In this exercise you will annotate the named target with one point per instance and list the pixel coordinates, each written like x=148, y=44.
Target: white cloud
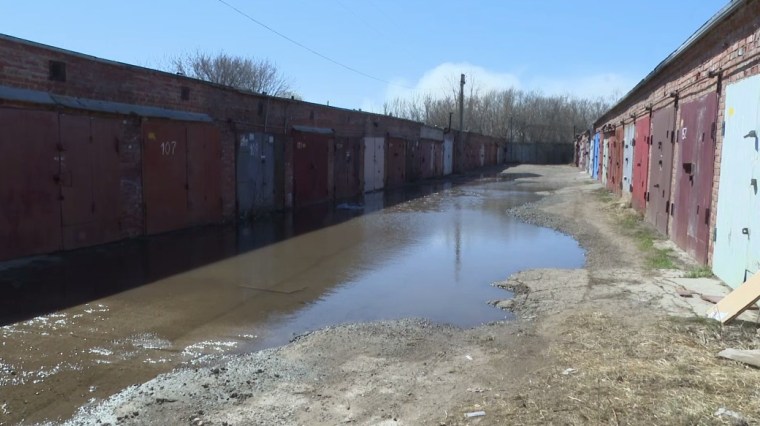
x=444, y=79
x=603, y=85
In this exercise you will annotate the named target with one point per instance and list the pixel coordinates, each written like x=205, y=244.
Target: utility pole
x=461, y=104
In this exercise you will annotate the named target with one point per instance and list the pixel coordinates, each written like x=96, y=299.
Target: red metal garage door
x=346, y=167
x=438, y=158
x=616, y=160
x=641, y=165
x=413, y=171
x=30, y=208
x=395, y=162
x=164, y=175
x=90, y=180
x=310, y=167
x=694, y=175
x=204, y=174
x=426, y=158
x=660, y=168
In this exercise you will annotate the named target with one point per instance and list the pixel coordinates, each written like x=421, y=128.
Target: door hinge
x=723, y=128
x=715, y=234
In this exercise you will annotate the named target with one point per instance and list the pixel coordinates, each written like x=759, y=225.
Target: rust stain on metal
x=204, y=174
x=347, y=168
x=395, y=162
x=694, y=175
x=310, y=167
x=30, y=205
x=641, y=165
x=91, y=194
x=661, y=168
x=165, y=182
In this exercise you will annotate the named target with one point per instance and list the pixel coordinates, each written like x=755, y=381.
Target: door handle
x=745, y=231
x=751, y=134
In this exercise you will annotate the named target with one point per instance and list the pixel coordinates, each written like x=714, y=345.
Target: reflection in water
x=131, y=310
x=437, y=265
x=433, y=256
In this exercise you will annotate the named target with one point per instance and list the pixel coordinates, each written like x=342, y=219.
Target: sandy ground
x=611, y=343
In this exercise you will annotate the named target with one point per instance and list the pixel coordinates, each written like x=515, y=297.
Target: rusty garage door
x=164, y=175
x=694, y=175
x=346, y=167
x=204, y=174
x=30, y=207
x=310, y=160
x=438, y=158
x=395, y=162
x=90, y=180
x=255, y=173
x=641, y=142
x=605, y=156
x=413, y=171
x=426, y=158
x=181, y=174
x=616, y=158
x=374, y=163
x=660, y=168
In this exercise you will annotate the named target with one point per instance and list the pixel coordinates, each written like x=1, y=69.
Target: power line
x=307, y=48
x=360, y=18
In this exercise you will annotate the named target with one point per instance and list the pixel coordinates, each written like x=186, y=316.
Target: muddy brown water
x=81, y=326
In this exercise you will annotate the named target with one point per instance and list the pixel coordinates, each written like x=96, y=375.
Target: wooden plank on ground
x=751, y=357
x=737, y=301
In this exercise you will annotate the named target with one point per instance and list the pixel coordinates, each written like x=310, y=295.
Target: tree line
x=512, y=114
x=244, y=73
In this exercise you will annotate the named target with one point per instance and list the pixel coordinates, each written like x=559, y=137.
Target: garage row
x=664, y=161
x=79, y=174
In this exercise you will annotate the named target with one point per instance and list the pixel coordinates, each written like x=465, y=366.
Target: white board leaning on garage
x=737, y=301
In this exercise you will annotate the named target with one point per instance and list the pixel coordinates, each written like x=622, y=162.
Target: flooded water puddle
x=432, y=253
x=432, y=258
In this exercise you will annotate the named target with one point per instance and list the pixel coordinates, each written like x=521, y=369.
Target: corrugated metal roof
x=309, y=129
x=44, y=98
x=716, y=19
x=127, y=109
x=25, y=95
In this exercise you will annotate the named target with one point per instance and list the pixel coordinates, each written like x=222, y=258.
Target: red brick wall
x=733, y=47
x=25, y=65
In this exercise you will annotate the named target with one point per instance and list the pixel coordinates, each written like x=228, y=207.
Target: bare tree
x=255, y=75
x=511, y=114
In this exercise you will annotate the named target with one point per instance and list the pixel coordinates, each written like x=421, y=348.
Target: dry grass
x=699, y=272
x=629, y=371
x=632, y=224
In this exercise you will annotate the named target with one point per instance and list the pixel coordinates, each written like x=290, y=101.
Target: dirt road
x=607, y=344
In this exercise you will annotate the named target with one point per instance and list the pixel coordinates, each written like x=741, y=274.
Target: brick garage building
x=96, y=151
x=679, y=112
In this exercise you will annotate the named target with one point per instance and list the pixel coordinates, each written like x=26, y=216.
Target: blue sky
x=586, y=48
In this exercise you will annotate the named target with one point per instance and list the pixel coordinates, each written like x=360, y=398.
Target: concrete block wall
x=728, y=53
